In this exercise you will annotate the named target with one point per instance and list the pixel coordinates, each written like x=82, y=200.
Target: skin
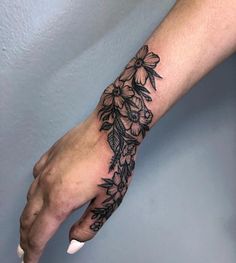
x=193, y=38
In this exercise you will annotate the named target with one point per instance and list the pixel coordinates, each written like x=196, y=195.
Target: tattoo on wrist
x=126, y=118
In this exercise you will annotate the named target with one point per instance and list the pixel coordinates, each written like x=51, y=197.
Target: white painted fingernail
x=74, y=246
x=20, y=251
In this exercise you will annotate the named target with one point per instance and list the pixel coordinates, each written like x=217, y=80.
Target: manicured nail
x=74, y=246
x=20, y=251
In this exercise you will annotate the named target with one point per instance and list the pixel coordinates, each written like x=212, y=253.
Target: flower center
x=134, y=116
x=147, y=114
x=139, y=63
x=116, y=91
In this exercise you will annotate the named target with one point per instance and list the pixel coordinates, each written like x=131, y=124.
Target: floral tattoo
x=126, y=119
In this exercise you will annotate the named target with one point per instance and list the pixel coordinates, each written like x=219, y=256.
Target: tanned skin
x=95, y=160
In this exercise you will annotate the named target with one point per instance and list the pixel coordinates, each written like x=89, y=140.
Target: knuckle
x=60, y=214
x=39, y=164
x=36, y=168
x=33, y=244
x=47, y=176
x=29, y=195
x=32, y=189
x=24, y=222
x=23, y=245
x=59, y=206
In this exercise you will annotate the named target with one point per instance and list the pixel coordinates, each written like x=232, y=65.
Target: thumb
x=88, y=225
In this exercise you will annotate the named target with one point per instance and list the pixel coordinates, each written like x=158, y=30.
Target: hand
x=66, y=177
x=92, y=162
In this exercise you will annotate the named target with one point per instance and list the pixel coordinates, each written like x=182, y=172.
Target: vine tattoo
x=126, y=118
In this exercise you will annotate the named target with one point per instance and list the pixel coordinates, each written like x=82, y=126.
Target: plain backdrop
x=56, y=57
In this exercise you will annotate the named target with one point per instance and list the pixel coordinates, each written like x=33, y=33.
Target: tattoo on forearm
x=126, y=118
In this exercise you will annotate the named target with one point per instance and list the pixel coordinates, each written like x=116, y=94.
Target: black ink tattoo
x=126, y=118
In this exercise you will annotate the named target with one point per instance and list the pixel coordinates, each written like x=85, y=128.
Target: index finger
x=43, y=228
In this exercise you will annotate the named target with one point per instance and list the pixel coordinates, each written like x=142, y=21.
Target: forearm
x=182, y=49
x=193, y=38
x=94, y=161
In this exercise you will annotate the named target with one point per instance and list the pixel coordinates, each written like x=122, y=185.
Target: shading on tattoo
x=126, y=118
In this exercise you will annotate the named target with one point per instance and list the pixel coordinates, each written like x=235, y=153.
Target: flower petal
x=127, y=92
x=119, y=101
x=127, y=74
x=142, y=52
x=131, y=63
x=108, y=99
x=127, y=123
x=116, y=178
x=122, y=160
x=141, y=76
x=151, y=60
x=123, y=191
x=112, y=190
x=137, y=102
x=124, y=112
x=109, y=89
x=118, y=83
x=128, y=158
x=125, y=150
x=135, y=128
x=145, y=117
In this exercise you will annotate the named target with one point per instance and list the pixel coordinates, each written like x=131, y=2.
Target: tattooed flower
x=116, y=94
x=136, y=117
x=119, y=186
x=140, y=65
x=103, y=212
x=96, y=226
x=124, y=114
x=128, y=154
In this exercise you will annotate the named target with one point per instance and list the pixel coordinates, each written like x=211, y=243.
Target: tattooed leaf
x=146, y=97
x=94, y=216
x=113, y=140
x=151, y=75
x=142, y=91
x=131, y=103
x=132, y=165
x=106, y=126
x=154, y=73
x=119, y=125
x=125, y=171
x=108, y=183
x=106, y=117
x=141, y=88
x=152, y=79
x=108, y=199
x=114, y=161
x=134, y=142
x=128, y=136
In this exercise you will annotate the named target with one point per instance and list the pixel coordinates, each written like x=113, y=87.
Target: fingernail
x=20, y=251
x=74, y=246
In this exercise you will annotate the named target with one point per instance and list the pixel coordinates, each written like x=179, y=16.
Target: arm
x=95, y=160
